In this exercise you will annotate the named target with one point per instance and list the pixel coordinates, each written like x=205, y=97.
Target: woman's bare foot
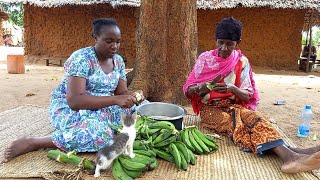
x=26, y=144
x=306, y=163
x=308, y=151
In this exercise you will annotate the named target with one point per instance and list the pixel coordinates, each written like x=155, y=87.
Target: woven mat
x=227, y=163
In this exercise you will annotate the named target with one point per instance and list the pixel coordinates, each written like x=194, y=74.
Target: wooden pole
x=310, y=41
x=307, y=35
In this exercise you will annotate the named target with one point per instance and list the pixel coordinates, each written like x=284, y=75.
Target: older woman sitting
x=221, y=88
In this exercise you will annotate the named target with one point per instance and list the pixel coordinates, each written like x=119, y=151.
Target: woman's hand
x=202, y=89
x=224, y=88
x=125, y=101
x=220, y=88
x=139, y=96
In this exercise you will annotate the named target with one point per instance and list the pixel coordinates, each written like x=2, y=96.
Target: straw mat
x=228, y=163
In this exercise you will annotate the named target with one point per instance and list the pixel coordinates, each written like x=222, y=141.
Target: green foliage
x=15, y=12
x=315, y=37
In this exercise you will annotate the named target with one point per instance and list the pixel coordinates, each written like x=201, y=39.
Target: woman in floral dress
x=91, y=96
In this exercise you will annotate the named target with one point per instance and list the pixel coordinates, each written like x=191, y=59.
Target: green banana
x=117, y=171
x=116, y=128
x=71, y=158
x=209, y=143
x=164, y=135
x=139, y=145
x=166, y=141
x=142, y=130
x=179, y=138
x=161, y=125
x=139, y=122
x=164, y=155
x=153, y=165
x=199, y=141
x=140, y=159
x=150, y=131
x=194, y=143
x=213, y=141
x=132, y=165
x=132, y=174
x=149, y=140
x=176, y=154
x=186, y=140
x=184, y=150
x=148, y=153
x=156, y=134
x=192, y=157
x=143, y=136
x=146, y=120
x=184, y=164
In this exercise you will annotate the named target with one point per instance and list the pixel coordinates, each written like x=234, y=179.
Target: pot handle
x=184, y=110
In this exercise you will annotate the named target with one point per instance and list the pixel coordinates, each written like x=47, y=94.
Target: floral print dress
x=86, y=130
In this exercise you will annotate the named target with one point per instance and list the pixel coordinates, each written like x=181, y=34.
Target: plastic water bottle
x=304, y=126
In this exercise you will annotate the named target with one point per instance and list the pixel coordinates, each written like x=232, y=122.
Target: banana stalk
x=70, y=158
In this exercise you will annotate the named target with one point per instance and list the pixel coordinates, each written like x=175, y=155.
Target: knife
x=211, y=84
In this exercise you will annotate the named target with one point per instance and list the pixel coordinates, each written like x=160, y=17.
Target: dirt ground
x=296, y=88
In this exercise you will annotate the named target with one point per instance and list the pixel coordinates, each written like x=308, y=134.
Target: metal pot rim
x=170, y=104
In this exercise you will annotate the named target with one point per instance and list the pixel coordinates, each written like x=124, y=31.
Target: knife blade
x=211, y=84
x=216, y=79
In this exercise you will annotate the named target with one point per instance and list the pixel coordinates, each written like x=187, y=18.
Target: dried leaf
x=30, y=94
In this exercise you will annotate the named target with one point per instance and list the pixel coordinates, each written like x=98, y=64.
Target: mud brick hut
x=3, y=16
x=271, y=33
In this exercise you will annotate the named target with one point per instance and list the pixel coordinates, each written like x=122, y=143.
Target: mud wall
x=57, y=32
x=271, y=37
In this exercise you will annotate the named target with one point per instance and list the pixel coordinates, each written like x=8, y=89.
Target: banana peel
x=315, y=137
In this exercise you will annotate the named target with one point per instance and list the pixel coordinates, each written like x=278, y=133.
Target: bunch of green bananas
x=147, y=128
x=196, y=141
x=161, y=139
x=126, y=168
x=178, y=153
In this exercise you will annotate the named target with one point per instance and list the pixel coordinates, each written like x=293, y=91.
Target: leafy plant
x=315, y=37
x=15, y=12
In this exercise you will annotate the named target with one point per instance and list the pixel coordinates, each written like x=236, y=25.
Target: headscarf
x=229, y=28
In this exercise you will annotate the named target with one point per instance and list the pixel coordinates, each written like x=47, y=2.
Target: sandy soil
x=296, y=88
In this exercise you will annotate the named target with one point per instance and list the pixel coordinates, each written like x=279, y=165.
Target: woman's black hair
x=97, y=24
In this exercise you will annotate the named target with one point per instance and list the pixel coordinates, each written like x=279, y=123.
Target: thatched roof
x=311, y=19
x=285, y=4
x=202, y=4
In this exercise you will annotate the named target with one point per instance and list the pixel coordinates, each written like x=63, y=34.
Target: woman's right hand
x=203, y=89
x=125, y=101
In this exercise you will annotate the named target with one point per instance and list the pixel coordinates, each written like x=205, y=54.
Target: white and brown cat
x=121, y=143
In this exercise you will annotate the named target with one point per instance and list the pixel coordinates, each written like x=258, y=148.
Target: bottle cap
x=308, y=107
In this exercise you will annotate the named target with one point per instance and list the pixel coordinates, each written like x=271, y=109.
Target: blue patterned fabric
x=86, y=130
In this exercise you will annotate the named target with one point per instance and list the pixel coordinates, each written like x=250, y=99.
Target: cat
x=121, y=143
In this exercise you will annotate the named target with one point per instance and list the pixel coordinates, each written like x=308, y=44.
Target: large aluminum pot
x=163, y=112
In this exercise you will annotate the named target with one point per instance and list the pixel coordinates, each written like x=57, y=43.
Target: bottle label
x=303, y=130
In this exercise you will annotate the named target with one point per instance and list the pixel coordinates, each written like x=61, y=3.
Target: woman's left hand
x=224, y=88
x=139, y=96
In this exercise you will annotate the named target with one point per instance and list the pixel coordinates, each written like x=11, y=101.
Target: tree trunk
x=166, y=49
